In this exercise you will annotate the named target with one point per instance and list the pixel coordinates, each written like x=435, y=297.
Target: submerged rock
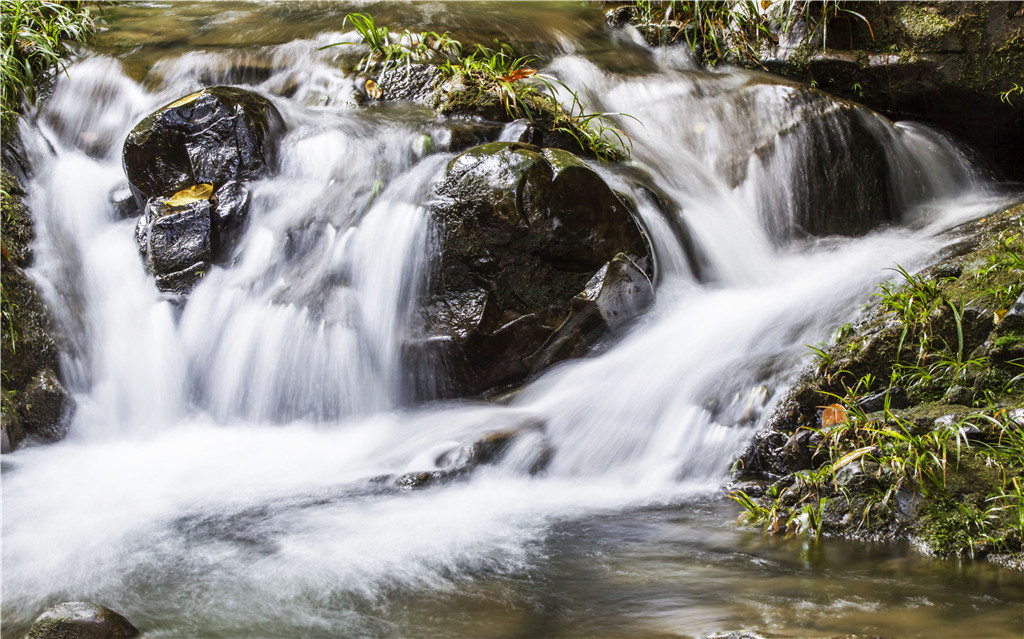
x=533, y=454
x=523, y=232
x=81, y=620
x=46, y=407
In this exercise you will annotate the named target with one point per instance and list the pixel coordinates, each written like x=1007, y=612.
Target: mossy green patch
x=920, y=23
x=950, y=442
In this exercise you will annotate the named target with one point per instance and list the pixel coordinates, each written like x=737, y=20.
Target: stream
x=221, y=477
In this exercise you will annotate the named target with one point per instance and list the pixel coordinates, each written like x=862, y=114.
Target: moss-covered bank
x=911, y=423
x=34, y=403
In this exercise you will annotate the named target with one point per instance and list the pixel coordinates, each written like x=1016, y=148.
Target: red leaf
x=518, y=74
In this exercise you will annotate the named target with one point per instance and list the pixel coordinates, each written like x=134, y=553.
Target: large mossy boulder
x=81, y=620
x=538, y=258
x=187, y=164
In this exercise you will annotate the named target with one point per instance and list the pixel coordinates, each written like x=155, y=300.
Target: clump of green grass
x=34, y=35
x=498, y=70
x=972, y=488
x=913, y=300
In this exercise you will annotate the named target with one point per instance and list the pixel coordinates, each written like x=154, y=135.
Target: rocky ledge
x=35, y=404
x=911, y=422
x=953, y=65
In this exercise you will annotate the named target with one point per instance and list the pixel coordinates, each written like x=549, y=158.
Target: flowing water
x=219, y=477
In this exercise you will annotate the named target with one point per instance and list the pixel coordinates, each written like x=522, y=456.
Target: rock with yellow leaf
x=187, y=165
x=175, y=237
x=214, y=136
x=182, y=235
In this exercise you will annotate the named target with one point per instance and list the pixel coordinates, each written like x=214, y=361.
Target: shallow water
x=222, y=474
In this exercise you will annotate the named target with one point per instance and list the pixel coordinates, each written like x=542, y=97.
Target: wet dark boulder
x=187, y=164
x=81, y=620
x=538, y=259
x=214, y=136
x=845, y=181
x=175, y=237
x=46, y=408
x=823, y=166
x=181, y=236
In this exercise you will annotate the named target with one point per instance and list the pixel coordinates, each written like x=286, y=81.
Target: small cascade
x=233, y=460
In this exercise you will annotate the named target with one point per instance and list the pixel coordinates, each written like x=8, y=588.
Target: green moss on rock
x=926, y=450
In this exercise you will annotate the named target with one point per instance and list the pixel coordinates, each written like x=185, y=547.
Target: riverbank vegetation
x=481, y=73
x=735, y=32
x=35, y=35
x=911, y=423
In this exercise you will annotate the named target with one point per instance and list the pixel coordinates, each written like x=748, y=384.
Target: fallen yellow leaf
x=185, y=100
x=373, y=90
x=190, y=195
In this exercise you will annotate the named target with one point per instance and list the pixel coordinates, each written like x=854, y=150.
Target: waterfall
x=223, y=468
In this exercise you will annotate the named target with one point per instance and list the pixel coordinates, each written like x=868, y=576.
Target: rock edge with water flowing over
x=539, y=260
x=954, y=65
x=187, y=164
x=911, y=423
x=35, y=403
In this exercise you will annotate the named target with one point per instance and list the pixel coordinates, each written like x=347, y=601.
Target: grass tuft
x=498, y=70
x=34, y=35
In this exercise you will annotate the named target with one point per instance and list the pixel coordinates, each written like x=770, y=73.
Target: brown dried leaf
x=832, y=415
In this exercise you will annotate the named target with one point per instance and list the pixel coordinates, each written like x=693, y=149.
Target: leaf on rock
x=185, y=100
x=832, y=415
x=518, y=74
x=373, y=90
x=190, y=195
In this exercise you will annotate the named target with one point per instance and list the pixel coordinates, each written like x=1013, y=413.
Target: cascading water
x=218, y=479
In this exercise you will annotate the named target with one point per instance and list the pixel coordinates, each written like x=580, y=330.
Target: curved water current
x=219, y=476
